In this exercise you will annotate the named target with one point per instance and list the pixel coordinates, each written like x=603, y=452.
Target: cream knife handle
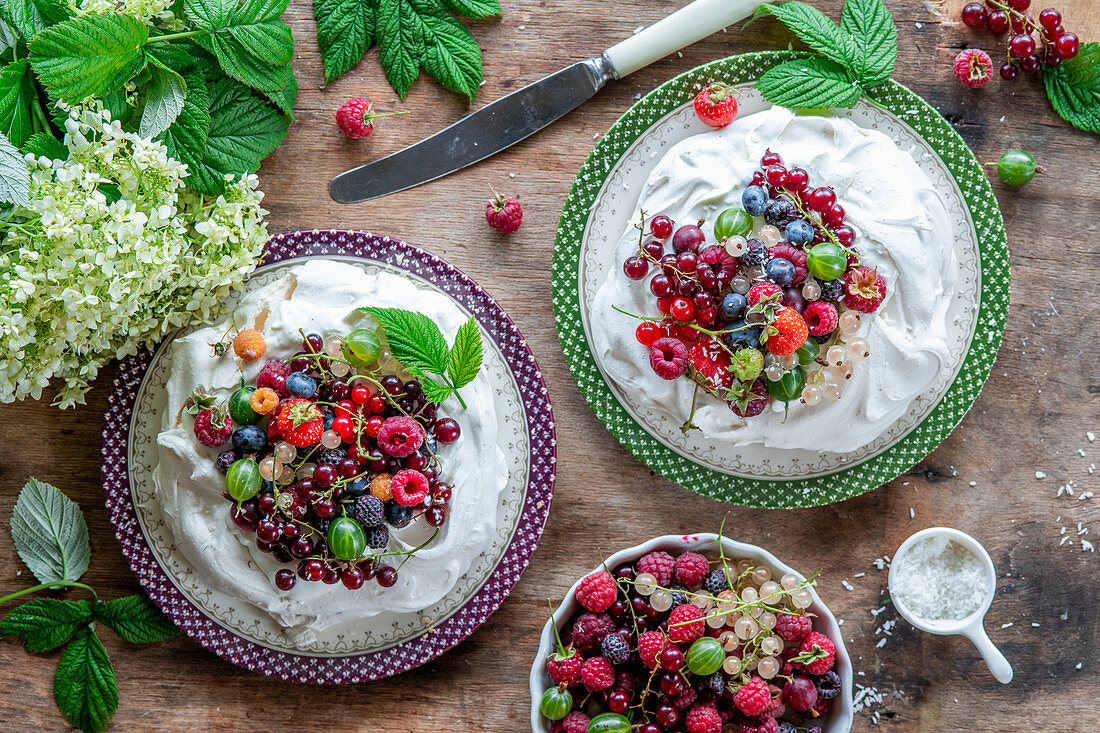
x=687, y=25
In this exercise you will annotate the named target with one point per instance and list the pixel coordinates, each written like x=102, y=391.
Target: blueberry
x=249, y=439
x=779, y=211
x=327, y=419
x=358, y=487
x=754, y=200
x=733, y=305
x=738, y=335
x=300, y=384
x=799, y=231
x=779, y=271
x=398, y=516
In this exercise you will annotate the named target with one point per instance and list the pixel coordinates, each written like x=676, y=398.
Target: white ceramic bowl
x=840, y=717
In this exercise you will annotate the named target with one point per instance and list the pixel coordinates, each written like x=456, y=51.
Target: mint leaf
x=400, y=41
x=23, y=16
x=464, y=361
x=42, y=145
x=88, y=56
x=812, y=83
x=256, y=25
x=817, y=31
x=870, y=23
x=136, y=619
x=451, y=54
x=474, y=8
x=49, y=532
x=1074, y=88
x=163, y=101
x=16, y=95
x=414, y=339
x=46, y=623
x=84, y=684
x=345, y=30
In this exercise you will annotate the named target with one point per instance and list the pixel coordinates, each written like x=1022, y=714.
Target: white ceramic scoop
x=970, y=626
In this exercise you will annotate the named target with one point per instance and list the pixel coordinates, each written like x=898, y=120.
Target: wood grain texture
x=1043, y=396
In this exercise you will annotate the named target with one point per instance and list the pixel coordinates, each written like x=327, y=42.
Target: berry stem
x=49, y=586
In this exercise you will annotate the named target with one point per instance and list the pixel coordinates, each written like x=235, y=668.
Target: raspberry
x=716, y=582
x=264, y=401
x=504, y=213
x=703, y=719
x=659, y=565
x=650, y=646
x=685, y=623
x=691, y=568
x=615, y=649
x=380, y=486
x=820, y=317
x=973, y=67
x=795, y=256
x=753, y=401
x=792, y=332
x=756, y=254
x=590, y=629
x=565, y=670
x=777, y=708
x=597, y=591
x=409, y=487
x=356, y=117
x=685, y=699
x=273, y=375
x=792, y=628
x=369, y=511
x=575, y=722
x=831, y=290
x=765, y=724
x=249, y=344
x=597, y=674
x=864, y=289
x=762, y=290
x=668, y=357
x=213, y=427
x=400, y=436
x=626, y=682
x=753, y=698
x=821, y=646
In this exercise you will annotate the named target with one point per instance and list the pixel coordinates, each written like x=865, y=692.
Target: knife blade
x=525, y=111
x=475, y=137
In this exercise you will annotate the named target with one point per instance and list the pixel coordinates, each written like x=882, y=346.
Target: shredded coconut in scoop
x=939, y=579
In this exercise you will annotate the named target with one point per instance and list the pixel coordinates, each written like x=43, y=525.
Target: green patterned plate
x=601, y=203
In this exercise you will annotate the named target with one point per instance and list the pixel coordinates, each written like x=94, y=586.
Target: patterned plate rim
x=467, y=618
x=775, y=493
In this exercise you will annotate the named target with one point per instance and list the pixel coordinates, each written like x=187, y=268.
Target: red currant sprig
x=1000, y=16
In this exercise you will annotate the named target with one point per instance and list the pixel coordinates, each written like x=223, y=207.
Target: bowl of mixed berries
x=327, y=454
x=770, y=311
x=695, y=633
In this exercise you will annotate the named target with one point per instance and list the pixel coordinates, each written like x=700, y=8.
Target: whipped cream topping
x=902, y=228
x=320, y=296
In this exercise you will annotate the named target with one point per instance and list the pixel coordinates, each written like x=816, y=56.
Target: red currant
x=661, y=226
x=998, y=22
x=776, y=175
x=447, y=430
x=974, y=15
x=376, y=403
x=661, y=286
x=845, y=235
x=1022, y=45
x=284, y=579
x=654, y=249
x=324, y=508
x=797, y=180
x=1030, y=64
x=636, y=267
x=688, y=237
x=681, y=309
x=647, y=332
x=686, y=261
x=663, y=304
x=360, y=394
x=311, y=569
x=324, y=475
x=1009, y=71
x=820, y=199
x=313, y=343
x=374, y=424
x=435, y=516
x=1067, y=45
x=770, y=158
x=1050, y=19
x=833, y=216
x=386, y=576
x=1020, y=5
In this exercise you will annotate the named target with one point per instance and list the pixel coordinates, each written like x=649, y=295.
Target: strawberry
x=710, y=363
x=747, y=364
x=356, y=117
x=973, y=67
x=716, y=105
x=504, y=213
x=863, y=289
x=299, y=421
x=789, y=331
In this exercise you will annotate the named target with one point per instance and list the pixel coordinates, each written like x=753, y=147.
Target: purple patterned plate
x=219, y=624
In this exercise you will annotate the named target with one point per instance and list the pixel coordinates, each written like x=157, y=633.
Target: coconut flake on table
x=939, y=579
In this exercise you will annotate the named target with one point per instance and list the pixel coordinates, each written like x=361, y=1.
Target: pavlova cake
x=305, y=469
x=786, y=283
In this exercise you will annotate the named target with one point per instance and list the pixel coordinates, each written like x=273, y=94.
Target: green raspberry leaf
x=84, y=684
x=136, y=619
x=415, y=34
x=400, y=42
x=23, y=16
x=256, y=25
x=15, y=180
x=414, y=339
x=46, y=623
x=209, y=15
x=434, y=391
x=451, y=54
x=16, y=95
x=238, y=61
x=817, y=31
x=464, y=360
x=285, y=98
x=49, y=532
x=1074, y=88
x=89, y=56
x=43, y=145
x=876, y=36
x=186, y=137
x=345, y=30
x=811, y=83
x=474, y=8
x=164, y=99
x=243, y=130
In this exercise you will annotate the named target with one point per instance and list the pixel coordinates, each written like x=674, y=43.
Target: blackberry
x=785, y=727
x=831, y=290
x=615, y=650
x=716, y=683
x=716, y=582
x=756, y=254
x=377, y=537
x=369, y=510
x=823, y=338
x=828, y=685
x=779, y=212
x=332, y=455
x=398, y=516
x=679, y=597
x=225, y=460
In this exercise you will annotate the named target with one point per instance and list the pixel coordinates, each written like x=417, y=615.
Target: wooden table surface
x=1030, y=421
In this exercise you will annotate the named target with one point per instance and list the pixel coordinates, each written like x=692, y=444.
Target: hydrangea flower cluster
x=115, y=253
x=150, y=11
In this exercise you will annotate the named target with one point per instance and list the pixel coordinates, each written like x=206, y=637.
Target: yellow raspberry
x=380, y=486
x=249, y=344
x=264, y=401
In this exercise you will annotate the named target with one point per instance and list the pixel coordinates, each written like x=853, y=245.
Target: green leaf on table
x=414, y=339
x=48, y=527
x=345, y=30
x=239, y=62
x=16, y=96
x=136, y=619
x=41, y=144
x=84, y=684
x=400, y=41
x=89, y=56
x=817, y=31
x=1074, y=88
x=811, y=83
x=872, y=26
x=451, y=54
x=23, y=16
x=464, y=360
x=209, y=15
x=285, y=98
x=163, y=101
x=474, y=8
x=46, y=623
x=255, y=24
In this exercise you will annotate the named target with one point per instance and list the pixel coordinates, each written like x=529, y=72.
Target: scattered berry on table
x=716, y=105
x=1016, y=167
x=504, y=213
x=973, y=67
x=356, y=117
